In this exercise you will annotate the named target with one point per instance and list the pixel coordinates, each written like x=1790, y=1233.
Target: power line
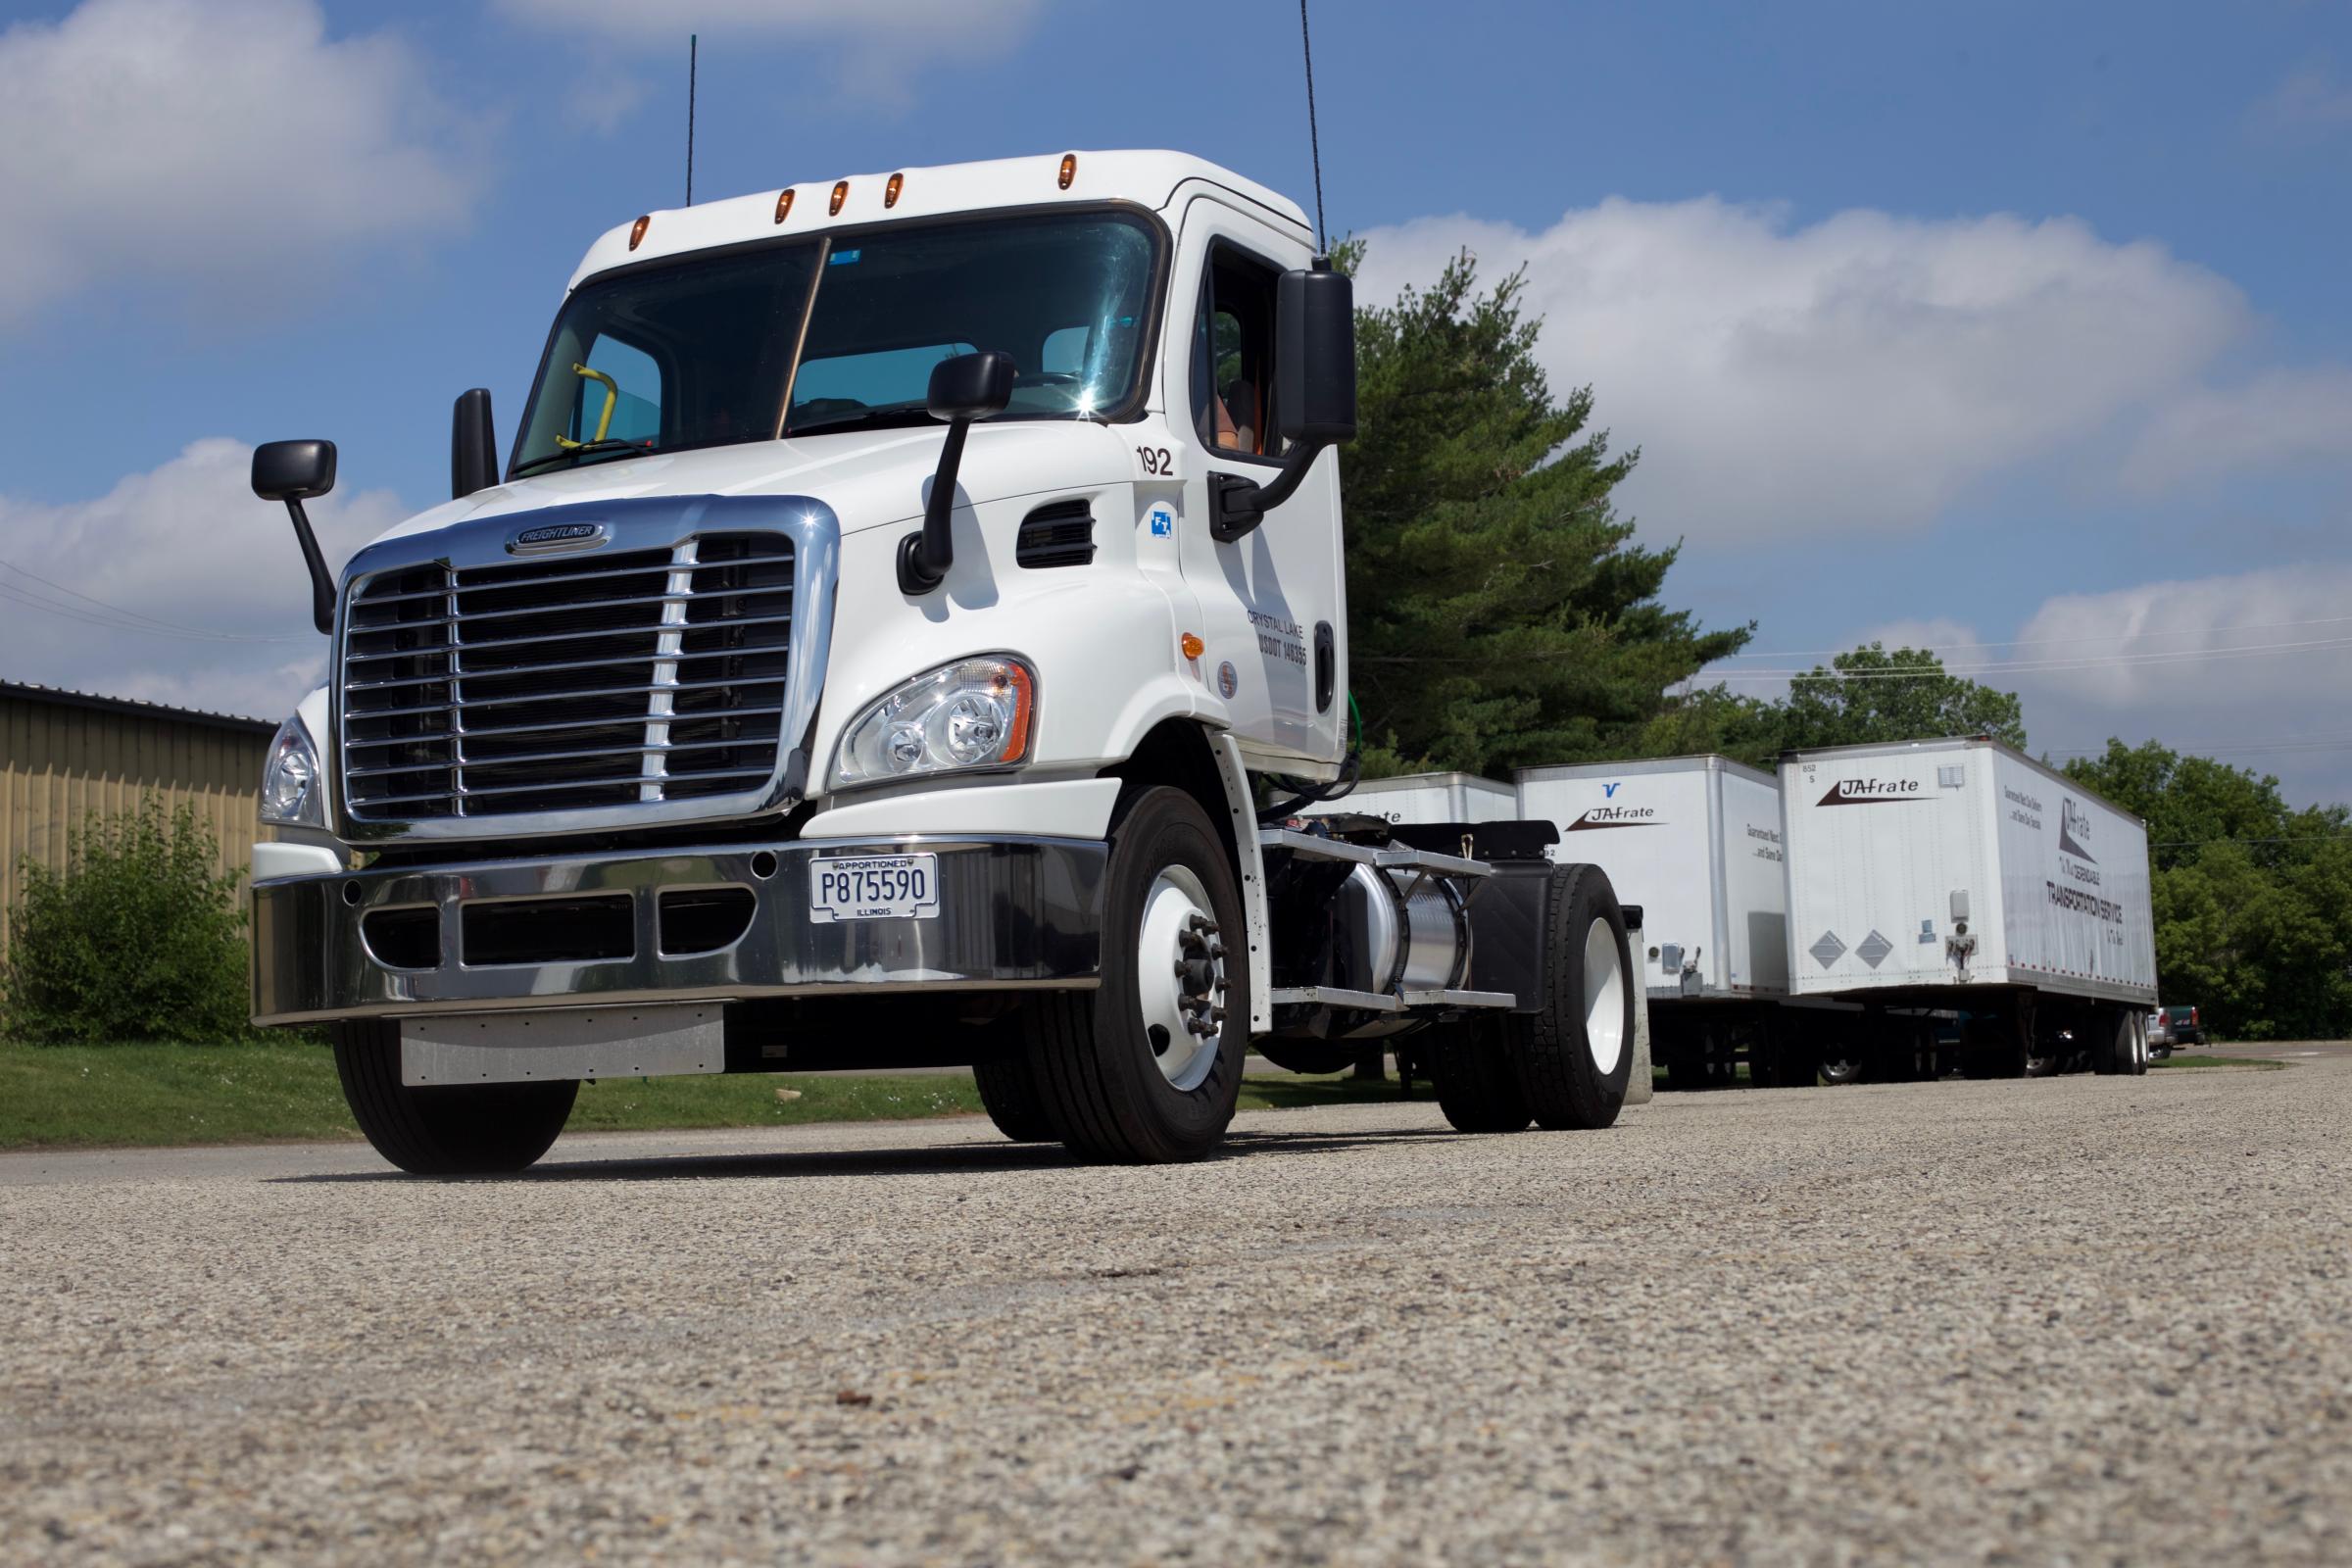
x=2053, y=641
x=2032, y=665
x=99, y=612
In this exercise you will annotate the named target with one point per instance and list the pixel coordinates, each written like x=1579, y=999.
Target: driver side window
x=1233, y=357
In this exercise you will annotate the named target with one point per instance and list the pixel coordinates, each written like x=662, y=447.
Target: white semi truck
x=1959, y=877
x=908, y=629
x=1696, y=842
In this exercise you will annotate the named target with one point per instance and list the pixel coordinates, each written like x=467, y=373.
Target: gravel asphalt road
x=2085, y=1320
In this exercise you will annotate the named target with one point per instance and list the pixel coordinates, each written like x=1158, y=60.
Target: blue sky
x=2019, y=328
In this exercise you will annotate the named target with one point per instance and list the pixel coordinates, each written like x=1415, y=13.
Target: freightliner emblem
x=556, y=536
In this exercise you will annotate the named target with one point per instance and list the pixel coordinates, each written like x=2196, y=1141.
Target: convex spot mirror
x=1315, y=357
x=293, y=470
x=971, y=386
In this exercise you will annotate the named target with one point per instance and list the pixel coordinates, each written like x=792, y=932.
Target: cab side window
x=1233, y=357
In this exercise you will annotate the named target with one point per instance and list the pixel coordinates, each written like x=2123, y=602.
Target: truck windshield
x=700, y=353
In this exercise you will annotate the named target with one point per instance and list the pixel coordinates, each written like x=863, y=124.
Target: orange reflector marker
x=637, y=230
x=841, y=193
x=1070, y=169
x=890, y=192
x=1193, y=646
x=1024, y=700
x=784, y=204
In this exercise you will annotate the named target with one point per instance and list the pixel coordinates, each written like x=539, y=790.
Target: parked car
x=2180, y=1024
x=2160, y=1035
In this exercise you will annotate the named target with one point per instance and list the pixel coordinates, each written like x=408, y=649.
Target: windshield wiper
x=579, y=452
x=914, y=414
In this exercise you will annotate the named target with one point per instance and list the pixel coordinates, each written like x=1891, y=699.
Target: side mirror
x=1315, y=395
x=1314, y=357
x=971, y=386
x=967, y=387
x=473, y=445
x=295, y=472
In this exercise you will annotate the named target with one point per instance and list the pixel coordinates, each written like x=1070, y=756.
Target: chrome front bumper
x=1014, y=913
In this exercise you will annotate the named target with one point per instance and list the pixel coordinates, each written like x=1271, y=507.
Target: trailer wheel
x=1146, y=1068
x=457, y=1130
x=1995, y=1047
x=1010, y=1094
x=1576, y=1055
x=1478, y=1085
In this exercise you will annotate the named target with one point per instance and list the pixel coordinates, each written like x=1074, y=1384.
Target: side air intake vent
x=1059, y=535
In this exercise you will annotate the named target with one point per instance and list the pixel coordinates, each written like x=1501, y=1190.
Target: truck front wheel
x=1146, y=1068
x=460, y=1130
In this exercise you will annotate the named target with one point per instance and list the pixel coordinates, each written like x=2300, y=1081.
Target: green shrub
x=141, y=938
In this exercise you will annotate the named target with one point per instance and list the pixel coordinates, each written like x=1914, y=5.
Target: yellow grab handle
x=612, y=399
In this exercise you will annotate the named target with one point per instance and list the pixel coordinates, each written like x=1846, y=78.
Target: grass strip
x=145, y=1095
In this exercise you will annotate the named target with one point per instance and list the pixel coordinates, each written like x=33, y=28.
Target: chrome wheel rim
x=1180, y=964
x=1604, y=997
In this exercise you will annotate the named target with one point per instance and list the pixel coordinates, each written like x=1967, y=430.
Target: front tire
x=1146, y=1068
x=1010, y=1094
x=454, y=1130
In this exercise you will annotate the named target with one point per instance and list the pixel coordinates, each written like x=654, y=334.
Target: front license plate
x=874, y=886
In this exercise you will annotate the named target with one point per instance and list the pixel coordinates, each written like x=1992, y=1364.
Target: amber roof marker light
x=890, y=192
x=783, y=204
x=841, y=193
x=1069, y=170
x=638, y=228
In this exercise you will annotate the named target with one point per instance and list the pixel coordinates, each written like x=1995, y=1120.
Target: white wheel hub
x=1180, y=977
x=1604, y=997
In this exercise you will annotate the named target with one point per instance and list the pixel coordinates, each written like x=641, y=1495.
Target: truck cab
x=910, y=605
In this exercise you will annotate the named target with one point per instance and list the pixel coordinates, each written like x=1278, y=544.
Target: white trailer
x=1696, y=842
x=1428, y=798
x=1961, y=876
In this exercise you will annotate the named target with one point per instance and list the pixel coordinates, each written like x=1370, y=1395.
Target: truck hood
x=871, y=480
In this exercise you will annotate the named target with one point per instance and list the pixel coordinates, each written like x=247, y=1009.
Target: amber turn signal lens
x=1070, y=169
x=637, y=230
x=841, y=193
x=1193, y=646
x=890, y=192
x=783, y=204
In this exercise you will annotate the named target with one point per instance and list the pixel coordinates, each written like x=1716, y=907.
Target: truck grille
x=550, y=686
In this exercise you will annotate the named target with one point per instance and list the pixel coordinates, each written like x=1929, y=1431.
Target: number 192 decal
x=1156, y=463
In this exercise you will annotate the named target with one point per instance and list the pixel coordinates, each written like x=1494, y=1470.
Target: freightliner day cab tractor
x=909, y=630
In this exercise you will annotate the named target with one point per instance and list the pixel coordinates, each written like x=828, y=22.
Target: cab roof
x=1146, y=178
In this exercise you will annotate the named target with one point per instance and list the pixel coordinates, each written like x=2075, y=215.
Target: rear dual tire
x=1565, y=1066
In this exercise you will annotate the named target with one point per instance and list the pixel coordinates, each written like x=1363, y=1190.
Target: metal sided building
x=66, y=755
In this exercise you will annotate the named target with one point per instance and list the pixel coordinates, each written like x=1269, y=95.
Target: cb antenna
x=1314, y=142
x=693, y=47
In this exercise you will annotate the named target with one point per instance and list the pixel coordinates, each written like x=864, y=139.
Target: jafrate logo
x=1600, y=816
x=1871, y=791
x=2073, y=831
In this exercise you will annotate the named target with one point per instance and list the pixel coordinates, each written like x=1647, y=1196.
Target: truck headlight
x=976, y=713
x=290, y=792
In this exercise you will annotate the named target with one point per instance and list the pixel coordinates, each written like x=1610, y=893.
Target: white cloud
x=1858, y=374
x=2280, y=417
x=2310, y=102
x=882, y=43
x=2244, y=667
x=186, y=543
x=222, y=144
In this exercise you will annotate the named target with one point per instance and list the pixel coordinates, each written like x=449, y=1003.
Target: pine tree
x=1498, y=612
